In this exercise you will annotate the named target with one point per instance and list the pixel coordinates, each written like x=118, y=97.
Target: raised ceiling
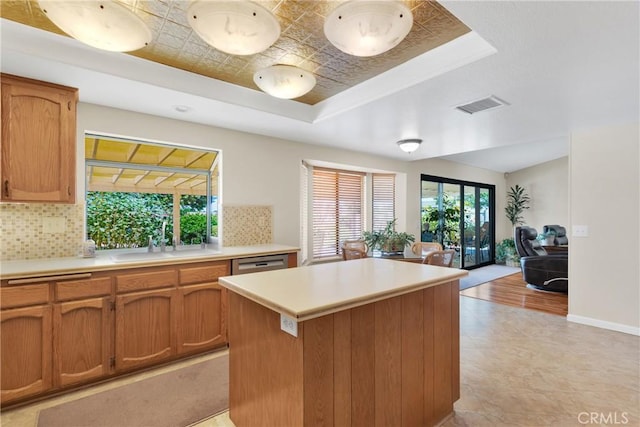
x=543, y=58
x=302, y=42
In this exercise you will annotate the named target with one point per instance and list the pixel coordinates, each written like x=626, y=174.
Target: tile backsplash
x=247, y=225
x=40, y=230
x=48, y=230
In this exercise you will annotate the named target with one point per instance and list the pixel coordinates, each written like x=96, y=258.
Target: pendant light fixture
x=105, y=24
x=368, y=28
x=238, y=27
x=284, y=81
x=409, y=145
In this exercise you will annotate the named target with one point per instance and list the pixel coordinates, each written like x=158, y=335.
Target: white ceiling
x=562, y=66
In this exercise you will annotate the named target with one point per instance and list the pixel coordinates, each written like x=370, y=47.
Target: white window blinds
x=337, y=209
x=384, y=196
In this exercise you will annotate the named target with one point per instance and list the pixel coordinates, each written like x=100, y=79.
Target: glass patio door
x=460, y=216
x=476, y=245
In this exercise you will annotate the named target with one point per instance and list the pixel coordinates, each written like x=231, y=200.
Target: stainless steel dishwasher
x=260, y=263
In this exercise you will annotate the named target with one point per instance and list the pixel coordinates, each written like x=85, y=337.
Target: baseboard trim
x=618, y=327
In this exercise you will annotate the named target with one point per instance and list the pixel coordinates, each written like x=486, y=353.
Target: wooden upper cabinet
x=38, y=146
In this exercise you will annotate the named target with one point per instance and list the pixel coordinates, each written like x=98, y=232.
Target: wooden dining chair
x=354, y=249
x=442, y=258
x=423, y=248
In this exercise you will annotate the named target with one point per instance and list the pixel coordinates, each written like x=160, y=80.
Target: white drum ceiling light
x=409, y=145
x=368, y=28
x=284, y=81
x=106, y=25
x=234, y=27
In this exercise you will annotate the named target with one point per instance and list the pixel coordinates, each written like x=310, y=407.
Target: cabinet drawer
x=153, y=279
x=204, y=273
x=77, y=289
x=20, y=296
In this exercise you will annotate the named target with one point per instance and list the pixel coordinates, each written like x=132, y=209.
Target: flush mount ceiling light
x=368, y=28
x=235, y=27
x=284, y=81
x=106, y=24
x=409, y=145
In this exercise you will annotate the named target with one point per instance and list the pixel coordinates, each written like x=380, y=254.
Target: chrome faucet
x=162, y=244
x=150, y=247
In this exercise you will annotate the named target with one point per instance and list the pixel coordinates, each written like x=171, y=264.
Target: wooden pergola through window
x=121, y=165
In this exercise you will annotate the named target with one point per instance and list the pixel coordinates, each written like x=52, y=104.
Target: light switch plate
x=289, y=325
x=580, y=230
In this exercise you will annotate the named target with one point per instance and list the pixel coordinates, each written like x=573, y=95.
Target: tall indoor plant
x=517, y=202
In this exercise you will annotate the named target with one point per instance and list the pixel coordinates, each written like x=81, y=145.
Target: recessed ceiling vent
x=482, y=105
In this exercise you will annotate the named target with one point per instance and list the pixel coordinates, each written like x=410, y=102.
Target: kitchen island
x=363, y=342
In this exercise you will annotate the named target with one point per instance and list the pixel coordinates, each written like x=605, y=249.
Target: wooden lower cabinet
x=145, y=328
x=202, y=318
x=81, y=341
x=26, y=352
x=62, y=332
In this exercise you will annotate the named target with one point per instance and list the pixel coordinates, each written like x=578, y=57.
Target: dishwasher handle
x=257, y=264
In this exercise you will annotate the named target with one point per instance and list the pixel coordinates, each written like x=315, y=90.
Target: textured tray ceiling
x=302, y=42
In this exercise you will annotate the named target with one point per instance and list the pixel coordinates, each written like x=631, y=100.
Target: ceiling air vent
x=482, y=105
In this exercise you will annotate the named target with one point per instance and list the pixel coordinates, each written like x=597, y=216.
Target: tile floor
x=518, y=368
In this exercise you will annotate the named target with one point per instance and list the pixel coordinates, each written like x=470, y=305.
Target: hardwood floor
x=512, y=290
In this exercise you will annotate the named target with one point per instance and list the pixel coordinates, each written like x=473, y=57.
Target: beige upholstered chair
x=354, y=249
x=423, y=248
x=442, y=258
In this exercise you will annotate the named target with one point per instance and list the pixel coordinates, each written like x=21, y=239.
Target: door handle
x=6, y=188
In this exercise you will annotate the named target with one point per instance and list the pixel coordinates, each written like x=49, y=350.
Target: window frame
x=207, y=174
x=306, y=200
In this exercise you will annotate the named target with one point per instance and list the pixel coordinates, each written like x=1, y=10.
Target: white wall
x=261, y=170
x=604, y=288
x=256, y=170
x=604, y=268
x=548, y=187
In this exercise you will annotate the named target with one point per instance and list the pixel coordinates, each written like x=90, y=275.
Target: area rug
x=486, y=274
x=173, y=399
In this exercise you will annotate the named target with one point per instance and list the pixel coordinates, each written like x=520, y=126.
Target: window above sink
x=137, y=190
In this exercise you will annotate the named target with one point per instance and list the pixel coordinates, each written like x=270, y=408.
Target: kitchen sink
x=179, y=253
x=191, y=252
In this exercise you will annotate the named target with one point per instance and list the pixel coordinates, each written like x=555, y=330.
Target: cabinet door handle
x=6, y=188
x=68, y=190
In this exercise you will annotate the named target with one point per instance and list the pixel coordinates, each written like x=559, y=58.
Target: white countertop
x=312, y=291
x=105, y=261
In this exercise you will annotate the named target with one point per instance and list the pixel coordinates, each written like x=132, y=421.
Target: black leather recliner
x=539, y=269
x=561, y=234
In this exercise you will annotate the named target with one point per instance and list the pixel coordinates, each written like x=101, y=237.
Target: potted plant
x=517, y=201
x=506, y=253
x=548, y=238
x=388, y=241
